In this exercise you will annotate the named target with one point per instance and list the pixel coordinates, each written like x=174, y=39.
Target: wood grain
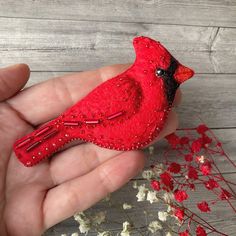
x=48, y=45
x=66, y=34
x=217, y=217
x=210, y=97
x=189, y=12
x=57, y=37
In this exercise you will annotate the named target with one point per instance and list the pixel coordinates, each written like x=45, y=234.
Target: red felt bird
x=124, y=113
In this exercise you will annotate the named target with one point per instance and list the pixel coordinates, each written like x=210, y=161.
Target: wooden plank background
x=57, y=37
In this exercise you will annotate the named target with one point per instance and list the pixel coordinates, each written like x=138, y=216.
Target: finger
x=83, y=158
x=12, y=79
x=79, y=160
x=78, y=194
x=49, y=99
x=178, y=98
x=170, y=126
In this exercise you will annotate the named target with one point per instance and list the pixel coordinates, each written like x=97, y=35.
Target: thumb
x=13, y=79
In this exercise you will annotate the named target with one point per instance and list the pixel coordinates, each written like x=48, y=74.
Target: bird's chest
x=154, y=98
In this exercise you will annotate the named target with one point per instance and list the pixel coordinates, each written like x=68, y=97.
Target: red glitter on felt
x=126, y=112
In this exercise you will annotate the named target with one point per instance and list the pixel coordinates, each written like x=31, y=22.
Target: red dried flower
x=200, y=159
x=206, y=140
x=224, y=195
x=166, y=179
x=180, y=195
x=173, y=140
x=203, y=206
x=206, y=168
x=200, y=231
x=179, y=213
x=192, y=173
x=184, y=140
x=219, y=144
x=185, y=233
x=188, y=157
x=156, y=185
x=174, y=167
x=201, y=129
x=191, y=186
x=211, y=184
x=196, y=145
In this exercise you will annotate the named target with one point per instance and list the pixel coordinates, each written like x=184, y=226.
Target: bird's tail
x=41, y=144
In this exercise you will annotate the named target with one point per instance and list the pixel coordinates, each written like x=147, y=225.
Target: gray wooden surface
x=57, y=37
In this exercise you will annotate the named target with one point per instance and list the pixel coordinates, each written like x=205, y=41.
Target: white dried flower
x=99, y=218
x=84, y=229
x=126, y=229
x=74, y=234
x=169, y=208
x=154, y=226
x=135, y=184
x=81, y=217
x=127, y=206
x=148, y=174
x=162, y=215
x=168, y=234
x=168, y=197
x=151, y=149
x=201, y=159
x=179, y=223
x=107, y=198
x=158, y=169
x=63, y=234
x=141, y=195
x=152, y=196
x=105, y=233
x=84, y=222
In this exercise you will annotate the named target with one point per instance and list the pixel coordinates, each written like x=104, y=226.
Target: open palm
x=34, y=199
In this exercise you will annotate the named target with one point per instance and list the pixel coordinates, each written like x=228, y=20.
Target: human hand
x=34, y=199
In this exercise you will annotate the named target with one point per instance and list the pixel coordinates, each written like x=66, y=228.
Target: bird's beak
x=183, y=73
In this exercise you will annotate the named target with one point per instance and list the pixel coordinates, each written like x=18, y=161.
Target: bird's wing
x=118, y=96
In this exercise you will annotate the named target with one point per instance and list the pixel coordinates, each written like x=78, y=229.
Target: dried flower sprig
x=194, y=166
x=187, y=167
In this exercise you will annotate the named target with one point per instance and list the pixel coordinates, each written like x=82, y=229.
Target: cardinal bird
x=126, y=112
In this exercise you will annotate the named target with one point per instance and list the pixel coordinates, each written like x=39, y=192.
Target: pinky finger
x=80, y=193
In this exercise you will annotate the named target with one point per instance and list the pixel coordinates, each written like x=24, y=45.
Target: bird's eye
x=160, y=72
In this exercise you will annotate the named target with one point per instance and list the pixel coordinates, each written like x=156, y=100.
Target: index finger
x=47, y=100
